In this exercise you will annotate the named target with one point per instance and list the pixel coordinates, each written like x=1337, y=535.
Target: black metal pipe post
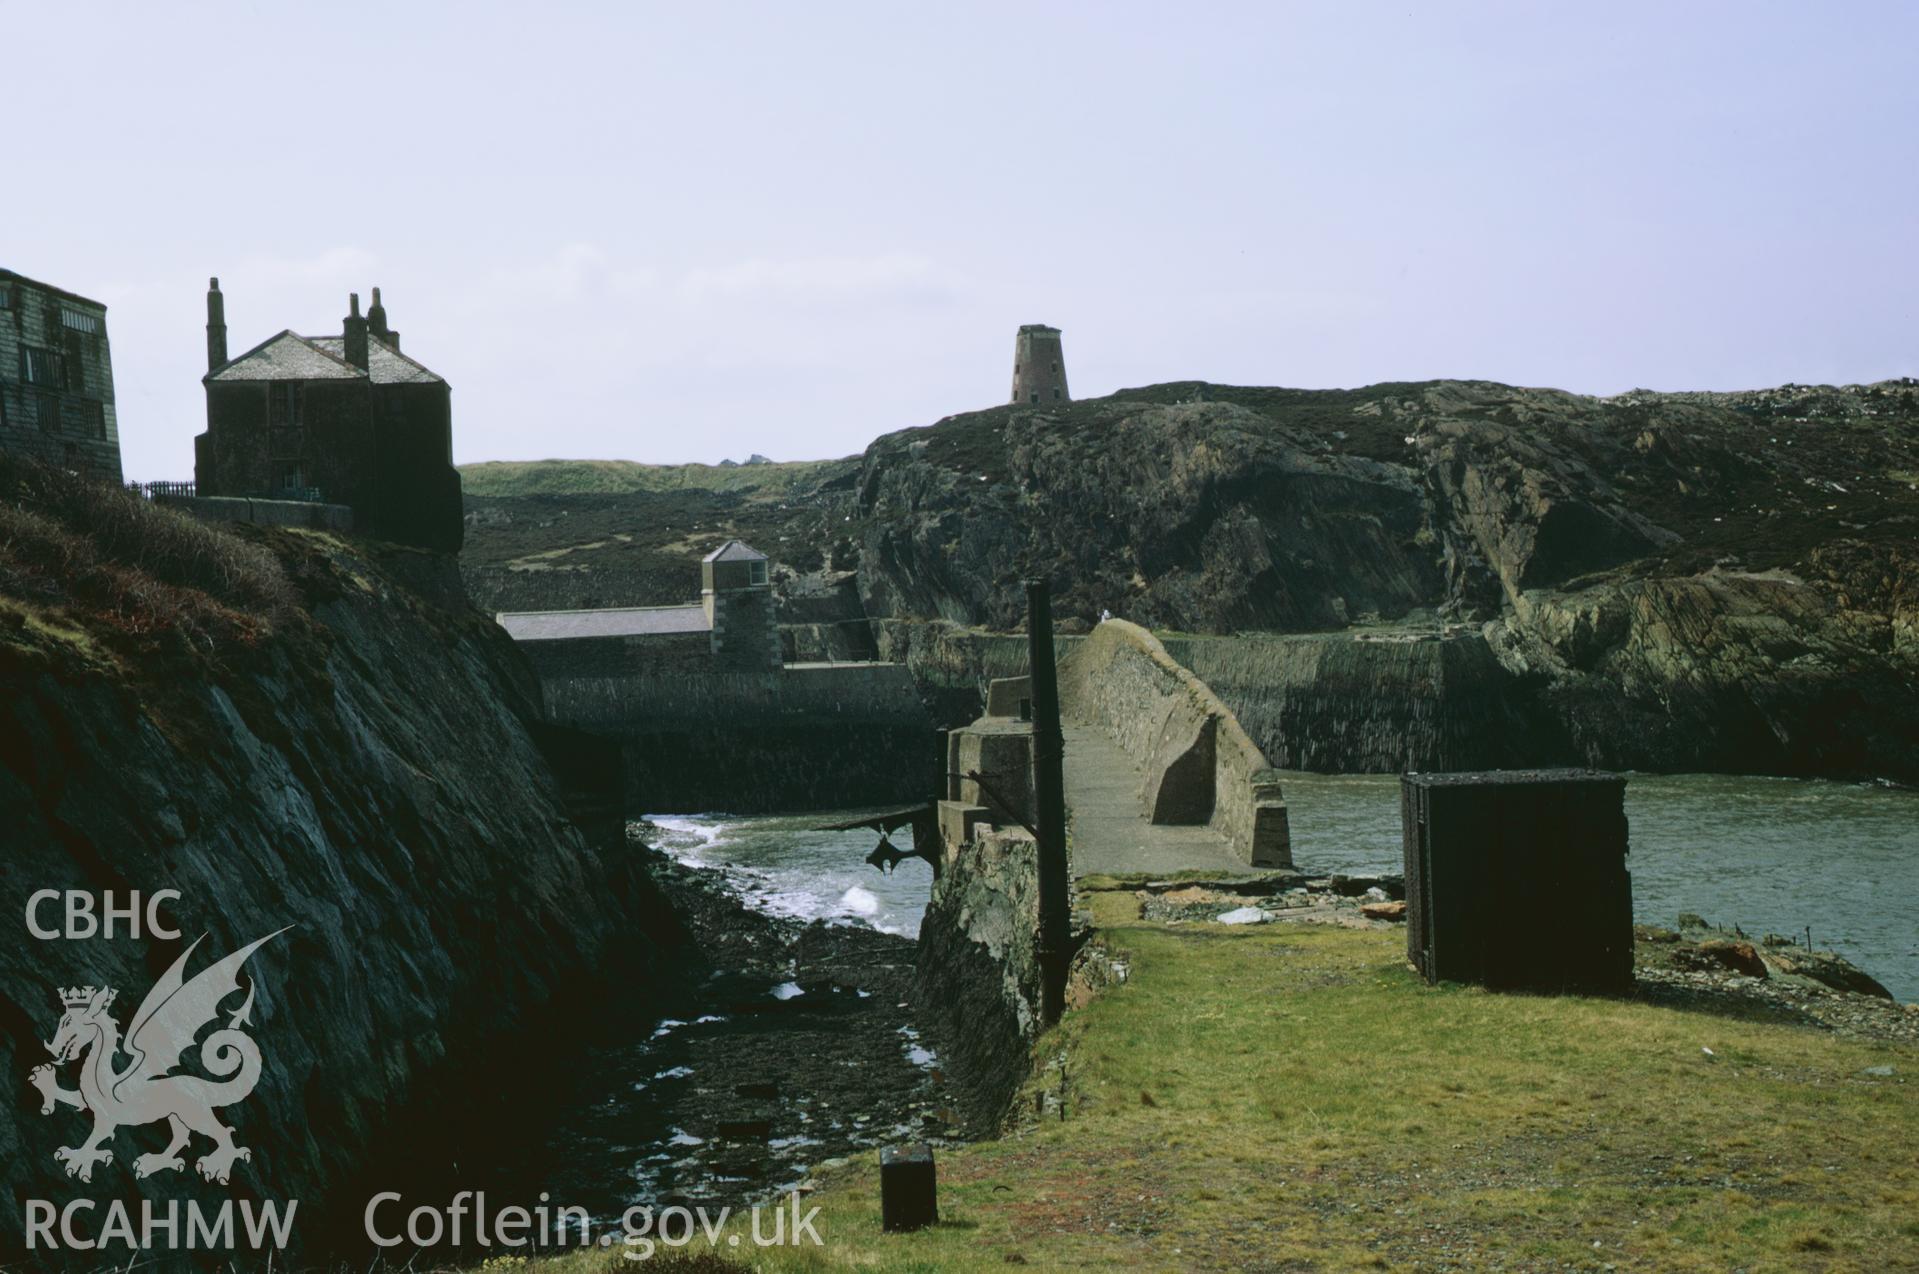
x=1049, y=799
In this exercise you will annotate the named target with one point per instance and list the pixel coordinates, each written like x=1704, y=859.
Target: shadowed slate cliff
x=288, y=731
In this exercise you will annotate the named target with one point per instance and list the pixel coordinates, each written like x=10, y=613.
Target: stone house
x=345, y=419
x=56, y=378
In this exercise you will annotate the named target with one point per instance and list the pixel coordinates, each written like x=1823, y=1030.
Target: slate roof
x=735, y=551
x=633, y=621
x=62, y=293
x=290, y=356
x=286, y=357
x=385, y=365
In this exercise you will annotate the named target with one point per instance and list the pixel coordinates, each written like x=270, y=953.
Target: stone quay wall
x=808, y=736
x=977, y=973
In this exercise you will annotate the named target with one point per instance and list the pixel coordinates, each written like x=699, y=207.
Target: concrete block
x=955, y=771
x=1002, y=751
x=958, y=819
x=1005, y=694
x=1272, y=840
x=909, y=1188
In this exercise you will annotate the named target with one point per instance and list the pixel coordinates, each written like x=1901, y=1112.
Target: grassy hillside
x=1293, y=1097
x=574, y=533
x=90, y=569
x=623, y=477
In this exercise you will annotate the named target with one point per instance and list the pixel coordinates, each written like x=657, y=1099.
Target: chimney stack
x=355, y=338
x=216, y=327
x=376, y=319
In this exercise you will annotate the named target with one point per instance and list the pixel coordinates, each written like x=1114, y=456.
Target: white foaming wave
x=684, y=836
x=791, y=904
x=860, y=901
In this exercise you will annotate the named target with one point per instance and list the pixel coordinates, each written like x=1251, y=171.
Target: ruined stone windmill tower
x=1039, y=366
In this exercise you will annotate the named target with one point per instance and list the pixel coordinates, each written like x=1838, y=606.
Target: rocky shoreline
x=1696, y=966
x=791, y=1046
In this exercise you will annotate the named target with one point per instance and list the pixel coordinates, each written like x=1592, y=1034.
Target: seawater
x=1770, y=855
x=785, y=865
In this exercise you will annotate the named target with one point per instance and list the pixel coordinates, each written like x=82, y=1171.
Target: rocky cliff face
x=1719, y=581
x=288, y=732
x=1693, y=581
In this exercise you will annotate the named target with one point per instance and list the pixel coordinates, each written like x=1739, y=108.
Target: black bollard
x=909, y=1188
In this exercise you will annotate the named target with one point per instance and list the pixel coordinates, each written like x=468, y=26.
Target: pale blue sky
x=688, y=232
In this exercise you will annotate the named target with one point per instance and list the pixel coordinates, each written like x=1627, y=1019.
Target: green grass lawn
x=1293, y=1097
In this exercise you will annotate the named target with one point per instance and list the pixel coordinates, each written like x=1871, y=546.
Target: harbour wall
x=808, y=736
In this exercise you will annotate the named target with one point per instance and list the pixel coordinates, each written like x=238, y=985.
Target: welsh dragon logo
x=146, y=1089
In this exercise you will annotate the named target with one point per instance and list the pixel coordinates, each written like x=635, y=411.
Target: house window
x=1035, y=396
x=1055, y=393
x=97, y=420
x=290, y=478
x=79, y=321
x=286, y=403
x=43, y=366
x=6, y=298
x=758, y=573
x=47, y=409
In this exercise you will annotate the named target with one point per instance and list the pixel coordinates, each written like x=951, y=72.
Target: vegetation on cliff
x=78, y=557
x=289, y=730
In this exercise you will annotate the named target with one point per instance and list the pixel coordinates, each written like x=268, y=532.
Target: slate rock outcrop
x=360, y=766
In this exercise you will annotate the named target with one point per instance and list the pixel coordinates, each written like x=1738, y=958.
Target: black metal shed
x=1517, y=879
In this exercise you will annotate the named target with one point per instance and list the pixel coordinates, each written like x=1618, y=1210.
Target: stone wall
x=745, y=635
x=1331, y=703
x=953, y=665
x=301, y=513
x=977, y=984
x=612, y=658
x=384, y=449
x=810, y=736
x=1198, y=764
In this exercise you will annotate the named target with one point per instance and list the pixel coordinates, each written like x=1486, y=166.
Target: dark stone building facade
x=345, y=419
x=56, y=378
